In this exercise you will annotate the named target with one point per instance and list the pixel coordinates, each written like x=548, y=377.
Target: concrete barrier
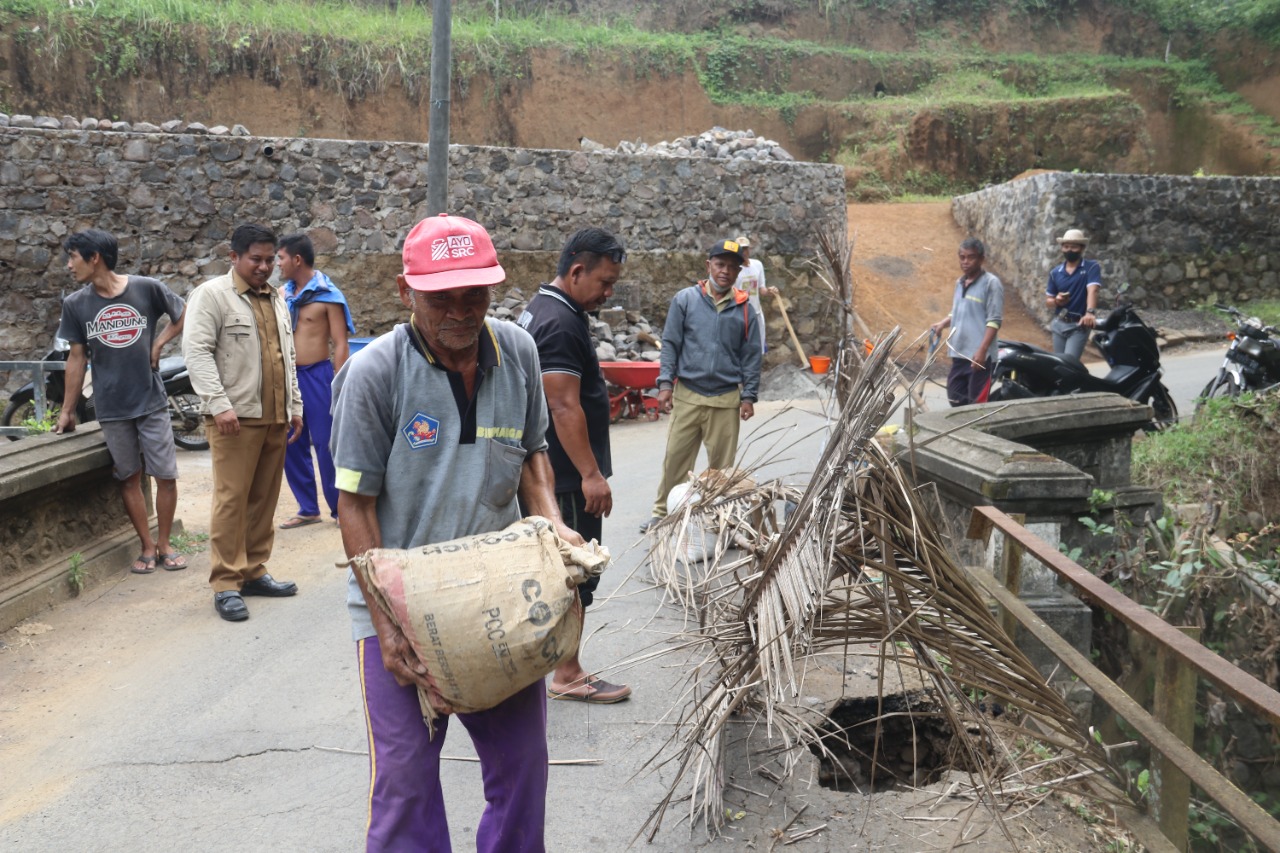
x=58, y=499
x=1043, y=459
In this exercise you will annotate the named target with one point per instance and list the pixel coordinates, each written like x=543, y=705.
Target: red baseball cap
x=443, y=252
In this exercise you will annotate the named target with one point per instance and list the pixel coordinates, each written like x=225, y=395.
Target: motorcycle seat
x=1060, y=362
x=172, y=366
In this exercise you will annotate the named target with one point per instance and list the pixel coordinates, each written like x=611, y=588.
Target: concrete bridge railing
x=1041, y=459
x=58, y=499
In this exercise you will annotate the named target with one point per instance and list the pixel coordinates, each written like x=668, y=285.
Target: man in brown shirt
x=239, y=351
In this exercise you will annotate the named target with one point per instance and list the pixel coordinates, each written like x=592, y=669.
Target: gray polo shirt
x=974, y=308
x=440, y=465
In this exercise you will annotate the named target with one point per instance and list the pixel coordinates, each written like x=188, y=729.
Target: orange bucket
x=819, y=363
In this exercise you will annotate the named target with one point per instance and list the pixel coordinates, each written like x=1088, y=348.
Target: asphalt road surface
x=134, y=719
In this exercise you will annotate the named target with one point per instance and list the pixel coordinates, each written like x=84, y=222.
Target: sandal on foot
x=173, y=561
x=594, y=691
x=300, y=521
x=143, y=565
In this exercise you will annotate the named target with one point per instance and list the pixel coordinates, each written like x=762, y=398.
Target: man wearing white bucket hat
x=1072, y=294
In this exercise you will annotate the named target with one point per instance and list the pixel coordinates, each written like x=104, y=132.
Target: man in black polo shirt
x=578, y=435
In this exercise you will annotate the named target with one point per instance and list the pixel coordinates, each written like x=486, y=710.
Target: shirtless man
x=321, y=319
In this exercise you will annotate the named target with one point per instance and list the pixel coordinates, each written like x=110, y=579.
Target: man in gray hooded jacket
x=711, y=344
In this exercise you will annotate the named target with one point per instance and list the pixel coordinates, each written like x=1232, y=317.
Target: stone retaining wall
x=1177, y=241
x=174, y=198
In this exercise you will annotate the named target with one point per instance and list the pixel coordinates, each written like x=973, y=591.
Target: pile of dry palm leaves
x=857, y=561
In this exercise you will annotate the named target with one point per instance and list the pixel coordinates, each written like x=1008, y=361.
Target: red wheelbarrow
x=628, y=381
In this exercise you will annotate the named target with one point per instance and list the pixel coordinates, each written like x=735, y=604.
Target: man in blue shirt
x=1073, y=295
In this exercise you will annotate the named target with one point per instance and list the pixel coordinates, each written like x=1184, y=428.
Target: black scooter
x=184, y=405
x=1129, y=346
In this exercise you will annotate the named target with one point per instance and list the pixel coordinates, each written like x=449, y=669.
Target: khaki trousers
x=693, y=425
x=247, y=471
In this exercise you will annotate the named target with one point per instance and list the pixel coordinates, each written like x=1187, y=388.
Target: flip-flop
x=172, y=561
x=148, y=565
x=594, y=692
x=300, y=521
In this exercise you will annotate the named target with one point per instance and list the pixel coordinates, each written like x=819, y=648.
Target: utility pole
x=438, y=117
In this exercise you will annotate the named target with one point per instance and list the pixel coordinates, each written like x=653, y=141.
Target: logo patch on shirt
x=116, y=326
x=422, y=431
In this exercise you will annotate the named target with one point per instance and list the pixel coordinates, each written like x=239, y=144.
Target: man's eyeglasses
x=615, y=255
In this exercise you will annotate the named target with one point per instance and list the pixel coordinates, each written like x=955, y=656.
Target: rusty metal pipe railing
x=1174, y=644
x=1235, y=681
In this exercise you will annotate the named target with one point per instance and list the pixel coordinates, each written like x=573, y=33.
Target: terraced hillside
x=924, y=96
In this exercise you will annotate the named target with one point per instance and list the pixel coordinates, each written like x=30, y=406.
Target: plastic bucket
x=354, y=345
x=819, y=363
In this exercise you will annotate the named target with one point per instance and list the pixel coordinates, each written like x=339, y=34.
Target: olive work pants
x=692, y=426
x=247, y=471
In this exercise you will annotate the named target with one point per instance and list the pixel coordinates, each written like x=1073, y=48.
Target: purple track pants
x=406, y=805
x=314, y=381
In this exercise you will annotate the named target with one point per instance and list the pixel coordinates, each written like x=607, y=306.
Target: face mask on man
x=1072, y=257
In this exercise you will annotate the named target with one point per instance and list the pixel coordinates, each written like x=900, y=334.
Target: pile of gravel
x=715, y=143
x=620, y=335
x=89, y=123
x=791, y=382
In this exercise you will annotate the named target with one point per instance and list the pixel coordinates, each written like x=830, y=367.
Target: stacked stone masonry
x=1176, y=241
x=174, y=198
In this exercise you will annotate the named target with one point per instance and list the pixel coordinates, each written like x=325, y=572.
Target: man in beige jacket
x=239, y=351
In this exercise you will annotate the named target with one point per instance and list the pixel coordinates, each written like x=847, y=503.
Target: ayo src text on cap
x=443, y=252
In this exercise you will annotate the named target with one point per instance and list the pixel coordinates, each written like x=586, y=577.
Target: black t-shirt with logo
x=559, y=327
x=118, y=334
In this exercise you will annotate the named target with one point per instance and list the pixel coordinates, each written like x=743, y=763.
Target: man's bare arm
x=73, y=384
x=168, y=333
x=538, y=494
x=565, y=404
x=338, y=334
x=361, y=533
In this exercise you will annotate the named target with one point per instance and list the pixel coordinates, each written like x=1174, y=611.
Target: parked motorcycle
x=1252, y=362
x=184, y=404
x=1129, y=346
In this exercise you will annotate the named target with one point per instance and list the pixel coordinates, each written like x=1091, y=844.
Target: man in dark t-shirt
x=578, y=400
x=111, y=322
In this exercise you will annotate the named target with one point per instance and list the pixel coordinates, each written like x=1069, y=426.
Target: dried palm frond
x=857, y=561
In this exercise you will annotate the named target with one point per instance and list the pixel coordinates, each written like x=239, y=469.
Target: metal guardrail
x=37, y=370
x=1180, y=660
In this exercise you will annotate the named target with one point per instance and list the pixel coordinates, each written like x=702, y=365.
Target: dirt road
x=905, y=267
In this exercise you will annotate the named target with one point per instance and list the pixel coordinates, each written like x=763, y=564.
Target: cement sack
x=487, y=615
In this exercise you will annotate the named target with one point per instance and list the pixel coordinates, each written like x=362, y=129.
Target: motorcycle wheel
x=1008, y=390
x=1166, y=411
x=22, y=407
x=188, y=423
x=1222, y=385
